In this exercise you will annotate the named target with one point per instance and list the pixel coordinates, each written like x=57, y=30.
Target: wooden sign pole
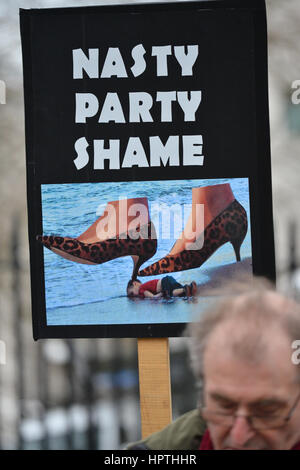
x=155, y=384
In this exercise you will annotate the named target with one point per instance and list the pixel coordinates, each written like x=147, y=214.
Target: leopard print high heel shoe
x=140, y=249
x=95, y=247
x=229, y=226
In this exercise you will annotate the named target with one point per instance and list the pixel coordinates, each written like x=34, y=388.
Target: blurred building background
x=62, y=394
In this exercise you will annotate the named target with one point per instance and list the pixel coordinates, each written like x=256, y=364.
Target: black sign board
x=148, y=162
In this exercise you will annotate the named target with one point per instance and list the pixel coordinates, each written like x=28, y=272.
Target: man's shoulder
x=185, y=433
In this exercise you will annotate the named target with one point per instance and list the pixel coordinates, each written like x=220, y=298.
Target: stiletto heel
x=137, y=263
x=229, y=225
x=140, y=242
x=236, y=244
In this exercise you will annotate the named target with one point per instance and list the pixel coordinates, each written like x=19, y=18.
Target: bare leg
x=178, y=292
x=118, y=217
x=214, y=200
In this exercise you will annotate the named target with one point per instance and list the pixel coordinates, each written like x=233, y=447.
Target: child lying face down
x=157, y=288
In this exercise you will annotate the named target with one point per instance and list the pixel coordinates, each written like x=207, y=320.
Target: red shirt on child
x=150, y=286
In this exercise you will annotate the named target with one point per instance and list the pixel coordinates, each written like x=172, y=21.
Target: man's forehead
x=274, y=300
x=270, y=365
x=234, y=330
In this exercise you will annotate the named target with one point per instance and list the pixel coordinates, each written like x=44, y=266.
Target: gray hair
x=252, y=304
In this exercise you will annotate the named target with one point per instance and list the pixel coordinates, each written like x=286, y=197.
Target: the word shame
x=178, y=150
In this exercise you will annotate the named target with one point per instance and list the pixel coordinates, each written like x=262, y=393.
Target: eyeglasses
x=256, y=422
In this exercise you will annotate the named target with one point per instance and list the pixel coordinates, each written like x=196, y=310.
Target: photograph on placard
x=140, y=252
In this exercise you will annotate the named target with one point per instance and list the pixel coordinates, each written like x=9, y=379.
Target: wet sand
x=122, y=310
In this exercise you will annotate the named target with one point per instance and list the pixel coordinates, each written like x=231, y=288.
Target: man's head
x=241, y=353
x=133, y=288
